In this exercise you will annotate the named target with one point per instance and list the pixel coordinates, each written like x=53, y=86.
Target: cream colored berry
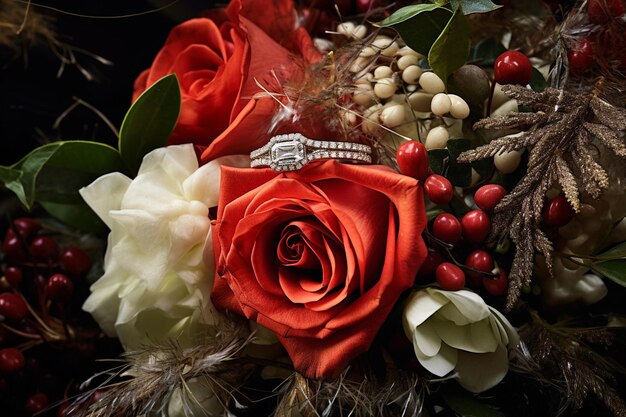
x=385, y=46
x=420, y=101
x=507, y=162
x=393, y=116
x=367, y=52
x=371, y=119
x=359, y=64
x=383, y=71
x=437, y=138
x=440, y=104
x=346, y=29
x=359, y=32
x=365, y=79
x=385, y=88
x=363, y=95
x=459, y=109
x=431, y=83
x=411, y=74
x=406, y=61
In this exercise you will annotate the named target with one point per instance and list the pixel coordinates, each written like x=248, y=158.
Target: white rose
x=155, y=285
x=457, y=330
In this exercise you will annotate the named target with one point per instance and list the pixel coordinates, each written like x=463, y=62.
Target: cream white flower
x=457, y=330
x=156, y=285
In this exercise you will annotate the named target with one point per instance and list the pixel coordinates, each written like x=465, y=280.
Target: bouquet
x=325, y=208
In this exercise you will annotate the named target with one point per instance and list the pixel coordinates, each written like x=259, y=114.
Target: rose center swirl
x=312, y=265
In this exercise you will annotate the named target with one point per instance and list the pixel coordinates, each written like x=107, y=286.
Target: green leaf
x=438, y=159
x=432, y=213
x=52, y=175
x=537, y=82
x=419, y=25
x=452, y=47
x=475, y=6
x=486, y=51
x=458, y=146
x=615, y=270
x=405, y=13
x=465, y=404
x=150, y=121
x=11, y=179
x=28, y=169
x=617, y=251
x=76, y=215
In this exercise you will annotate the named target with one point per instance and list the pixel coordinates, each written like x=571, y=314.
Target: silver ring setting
x=292, y=151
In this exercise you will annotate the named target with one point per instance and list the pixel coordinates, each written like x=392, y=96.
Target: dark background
x=33, y=97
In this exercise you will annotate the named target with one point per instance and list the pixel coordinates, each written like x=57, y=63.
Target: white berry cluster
x=396, y=95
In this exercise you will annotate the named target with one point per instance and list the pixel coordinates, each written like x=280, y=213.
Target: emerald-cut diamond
x=288, y=153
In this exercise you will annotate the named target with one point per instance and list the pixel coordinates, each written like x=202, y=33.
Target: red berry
x=558, y=212
x=438, y=189
x=412, y=159
x=581, y=57
x=27, y=226
x=11, y=360
x=12, y=306
x=432, y=261
x=601, y=11
x=480, y=260
x=446, y=227
x=476, y=226
x=512, y=67
x=488, y=196
x=75, y=261
x=59, y=288
x=14, y=275
x=44, y=248
x=450, y=277
x=36, y=403
x=496, y=286
x=12, y=247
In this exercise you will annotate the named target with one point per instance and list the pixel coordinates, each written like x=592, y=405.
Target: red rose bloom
x=319, y=256
x=218, y=64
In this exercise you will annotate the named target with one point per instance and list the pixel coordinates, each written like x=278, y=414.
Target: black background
x=32, y=97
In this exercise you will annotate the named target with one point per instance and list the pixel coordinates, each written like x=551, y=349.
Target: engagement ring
x=292, y=151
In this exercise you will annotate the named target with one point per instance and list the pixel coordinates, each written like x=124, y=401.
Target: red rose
x=218, y=68
x=319, y=256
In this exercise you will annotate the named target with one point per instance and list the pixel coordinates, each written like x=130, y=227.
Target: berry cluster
x=451, y=238
x=41, y=292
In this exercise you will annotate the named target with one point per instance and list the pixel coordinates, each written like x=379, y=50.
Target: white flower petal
x=105, y=194
x=156, y=285
x=203, y=185
x=468, y=303
x=419, y=307
x=475, y=337
x=478, y=372
x=441, y=364
x=512, y=335
x=426, y=339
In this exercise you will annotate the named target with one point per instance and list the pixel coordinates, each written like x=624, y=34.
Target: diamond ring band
x=292, y=151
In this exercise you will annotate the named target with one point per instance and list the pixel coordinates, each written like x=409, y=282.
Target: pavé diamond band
x=292, y=151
